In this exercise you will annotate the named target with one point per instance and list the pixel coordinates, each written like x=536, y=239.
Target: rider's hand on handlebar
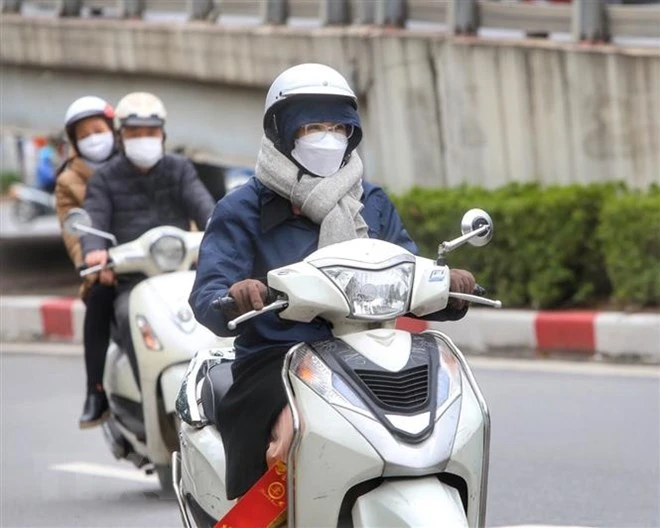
x=100, y=257
x=97, y=257
x=462, y=281
x=249, y=294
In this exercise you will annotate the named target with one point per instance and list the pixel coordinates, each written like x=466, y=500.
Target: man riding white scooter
x=139, y=189
x=308, y=193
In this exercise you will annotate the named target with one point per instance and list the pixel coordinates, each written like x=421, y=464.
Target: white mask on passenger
x=96, y=147
x=321, y=152
x=144, y=152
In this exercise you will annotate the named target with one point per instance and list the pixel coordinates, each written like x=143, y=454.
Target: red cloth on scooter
x=245, y=417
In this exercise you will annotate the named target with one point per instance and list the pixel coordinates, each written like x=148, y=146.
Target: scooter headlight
x=168, y=252
x=314, y=373
x=375, y=294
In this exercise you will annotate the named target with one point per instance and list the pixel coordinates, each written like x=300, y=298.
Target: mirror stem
x=97, y=232
x=446, y=247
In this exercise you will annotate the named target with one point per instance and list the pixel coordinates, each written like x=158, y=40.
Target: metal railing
x=595, y=20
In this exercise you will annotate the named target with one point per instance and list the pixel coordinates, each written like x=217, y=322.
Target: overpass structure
x=443, y=101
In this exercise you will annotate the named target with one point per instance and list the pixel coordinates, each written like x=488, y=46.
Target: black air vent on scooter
x=405, y=390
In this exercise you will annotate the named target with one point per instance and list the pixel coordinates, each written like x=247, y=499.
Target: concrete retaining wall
x=436, y=110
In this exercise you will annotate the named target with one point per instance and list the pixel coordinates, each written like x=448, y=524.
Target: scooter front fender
x=418, y=502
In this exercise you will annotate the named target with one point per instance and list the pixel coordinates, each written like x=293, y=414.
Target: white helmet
x=88, y=106
x=308, y=79
x=140, y=109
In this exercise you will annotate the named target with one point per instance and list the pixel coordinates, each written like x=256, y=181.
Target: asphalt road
x=572, y=444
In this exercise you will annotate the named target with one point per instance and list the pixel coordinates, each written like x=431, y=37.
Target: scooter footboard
x=410, y=502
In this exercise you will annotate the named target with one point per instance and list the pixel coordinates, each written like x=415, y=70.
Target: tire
x=164, y=473
x=25, y=212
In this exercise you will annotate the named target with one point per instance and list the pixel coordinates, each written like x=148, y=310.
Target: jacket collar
x=79, y=166
x=273, y=208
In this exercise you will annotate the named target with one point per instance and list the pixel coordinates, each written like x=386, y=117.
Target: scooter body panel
x=348, y=447
x=170, y=383
x=203, y=473
x=163, y=302
x=422, y=503
x=340, y=455
x=118, y=376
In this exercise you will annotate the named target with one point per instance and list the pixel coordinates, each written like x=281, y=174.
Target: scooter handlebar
x=223, y=304
x=227, y=304
x=479, y=290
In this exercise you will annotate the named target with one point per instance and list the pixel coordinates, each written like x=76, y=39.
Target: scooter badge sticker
x=437, y=275
x=264, y=504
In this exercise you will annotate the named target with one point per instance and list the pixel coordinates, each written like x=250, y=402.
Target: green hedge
x=553, y=247
x=630, y=235
x=7, y=179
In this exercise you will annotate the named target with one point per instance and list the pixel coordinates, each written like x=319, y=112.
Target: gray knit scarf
x=332, y=202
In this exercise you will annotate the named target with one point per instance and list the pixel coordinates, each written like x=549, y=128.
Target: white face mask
x=144, y=152
x=321, y=152
x=96, y=147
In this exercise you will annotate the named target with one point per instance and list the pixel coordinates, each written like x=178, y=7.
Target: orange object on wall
x=39, y=141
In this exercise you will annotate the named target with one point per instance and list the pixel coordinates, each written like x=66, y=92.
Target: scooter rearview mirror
x=75, y=222
x=472, y=221
x=78, y=222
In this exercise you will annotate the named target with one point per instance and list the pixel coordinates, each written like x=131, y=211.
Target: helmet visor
x=136, y=121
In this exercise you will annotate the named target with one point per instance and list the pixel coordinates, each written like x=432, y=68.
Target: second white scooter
x=142, y=427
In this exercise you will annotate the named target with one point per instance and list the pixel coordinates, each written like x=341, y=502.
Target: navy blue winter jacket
x=252, y=231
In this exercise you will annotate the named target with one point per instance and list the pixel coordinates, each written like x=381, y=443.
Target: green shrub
x=545, y=252
x=630, y=236
x=7, y=179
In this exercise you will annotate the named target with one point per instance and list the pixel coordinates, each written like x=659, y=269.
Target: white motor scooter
x=390, y=428
x=30, y=203
x=142, y=426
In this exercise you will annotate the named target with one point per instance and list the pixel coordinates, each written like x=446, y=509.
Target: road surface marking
x=98, y=470
x=43, y=349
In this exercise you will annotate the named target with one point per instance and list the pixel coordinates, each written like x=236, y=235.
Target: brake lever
x=95, y=269
x=476, y=299
x=277, y=305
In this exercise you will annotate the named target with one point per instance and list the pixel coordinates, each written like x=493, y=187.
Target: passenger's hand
x=249, y=294
x=461, y=281
x=107, y=277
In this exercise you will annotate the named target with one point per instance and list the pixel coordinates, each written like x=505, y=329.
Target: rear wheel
x=164, y=472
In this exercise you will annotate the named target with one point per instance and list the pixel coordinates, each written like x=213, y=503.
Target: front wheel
x=164, y=472
x=25, y=212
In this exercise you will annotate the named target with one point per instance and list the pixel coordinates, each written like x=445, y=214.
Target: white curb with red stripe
x=29, y=318
x=615, y=334
x=612, y=334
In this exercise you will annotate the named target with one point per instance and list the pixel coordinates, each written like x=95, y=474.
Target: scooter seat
x=216, y=384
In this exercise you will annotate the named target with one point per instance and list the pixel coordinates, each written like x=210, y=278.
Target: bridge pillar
x=275, y=12
x=590, y=21
x=463, y=17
